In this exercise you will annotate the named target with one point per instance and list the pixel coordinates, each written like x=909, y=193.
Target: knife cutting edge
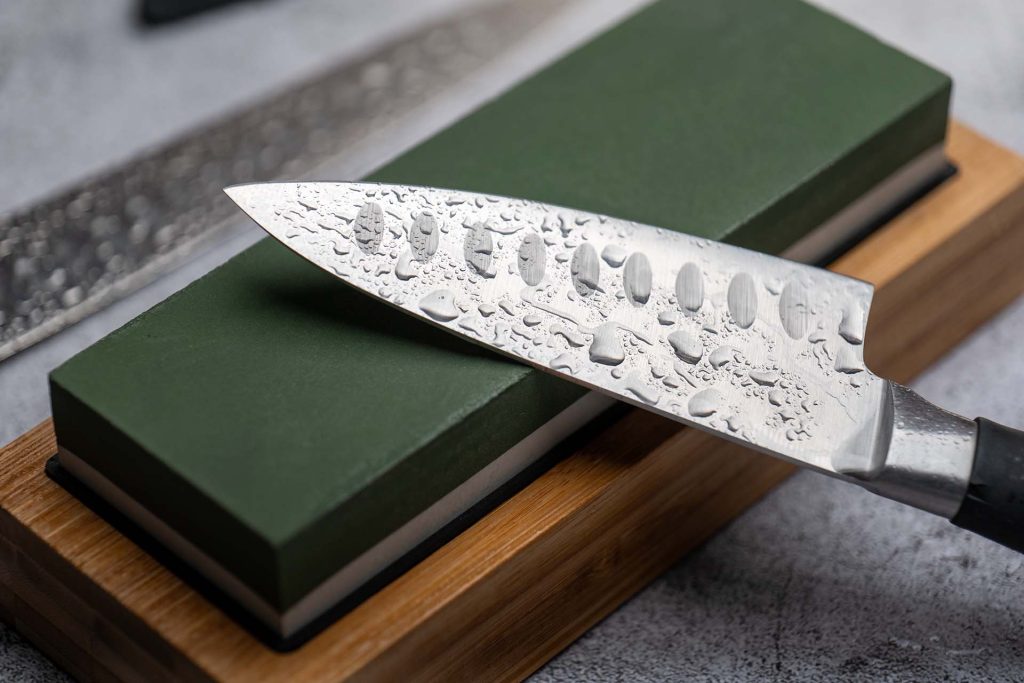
x=757, y=349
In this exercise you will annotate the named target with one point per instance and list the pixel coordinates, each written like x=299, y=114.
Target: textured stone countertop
x=819, y=582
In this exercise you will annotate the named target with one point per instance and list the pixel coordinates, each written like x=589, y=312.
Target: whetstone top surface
x=284, y=425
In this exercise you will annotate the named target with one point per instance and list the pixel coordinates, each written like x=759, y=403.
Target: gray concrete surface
x=818, y=582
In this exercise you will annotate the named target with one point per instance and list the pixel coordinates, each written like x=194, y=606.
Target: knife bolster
x=929, y=457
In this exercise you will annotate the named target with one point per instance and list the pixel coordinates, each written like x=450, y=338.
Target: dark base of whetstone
x=258, y=629
x=854, y=238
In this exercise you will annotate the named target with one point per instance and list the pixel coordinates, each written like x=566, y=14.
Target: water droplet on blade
x=613, y=255
x=847, y=361
x=687, y=346
x=721, y=356
x=573, y=338
x=606, y=347
x=851, y=327
x=764, y=377
x=471, y=323
x=564, y=362
x=705, y=403
x=668, y=317
x=405, y=270
x=501, y=335
x=636, y=386
x=440, y=305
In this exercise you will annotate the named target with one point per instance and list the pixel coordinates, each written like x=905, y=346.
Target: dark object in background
x=155, y=12
x=156, y=216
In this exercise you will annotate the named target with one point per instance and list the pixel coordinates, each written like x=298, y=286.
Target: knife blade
x=757, y=349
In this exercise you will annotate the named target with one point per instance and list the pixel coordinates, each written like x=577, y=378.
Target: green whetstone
x=284, y=423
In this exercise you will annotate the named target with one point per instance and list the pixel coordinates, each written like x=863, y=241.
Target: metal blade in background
x=759, y=349
x=73, y=255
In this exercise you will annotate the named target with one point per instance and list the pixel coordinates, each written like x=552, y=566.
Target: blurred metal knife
x=757, y=349
x=72, y=255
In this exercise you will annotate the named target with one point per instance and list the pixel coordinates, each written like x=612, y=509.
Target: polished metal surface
x=924, y=455
x=71, y=256
x=761, y=350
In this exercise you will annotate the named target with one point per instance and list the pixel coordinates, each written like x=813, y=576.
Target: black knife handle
x=994, y=504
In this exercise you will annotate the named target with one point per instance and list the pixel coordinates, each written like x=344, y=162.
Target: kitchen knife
x=757, y=349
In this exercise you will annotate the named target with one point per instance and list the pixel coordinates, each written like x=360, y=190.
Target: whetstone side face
x=284, y=425
x=518, y=586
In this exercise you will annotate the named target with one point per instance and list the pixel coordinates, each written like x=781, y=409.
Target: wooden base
x=529, y=578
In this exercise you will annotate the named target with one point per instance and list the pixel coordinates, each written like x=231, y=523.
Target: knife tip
x=240, y=194
x=256, y=200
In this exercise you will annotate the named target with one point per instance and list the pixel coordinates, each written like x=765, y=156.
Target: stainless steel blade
x=758, y=349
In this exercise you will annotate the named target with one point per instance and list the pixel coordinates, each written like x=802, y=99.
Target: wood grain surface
x=530, y=577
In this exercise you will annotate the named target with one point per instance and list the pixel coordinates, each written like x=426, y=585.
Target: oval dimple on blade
x=636, y=279
x=532, y=255
x=794, y=310
x=369, y=227
x=478, y=249
x=742, y=299
x=585, y=269
x=690, y=287
x=424, y=236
